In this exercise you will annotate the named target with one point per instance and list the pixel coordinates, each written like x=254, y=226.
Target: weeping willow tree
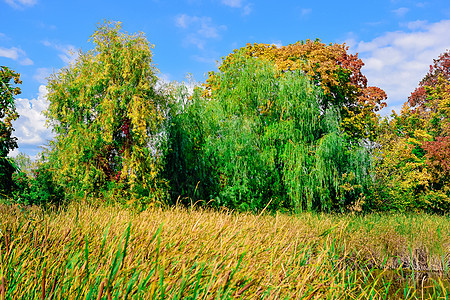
x=107, y=118
x=265, y=140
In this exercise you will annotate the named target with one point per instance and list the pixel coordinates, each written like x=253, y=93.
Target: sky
x=396, y=39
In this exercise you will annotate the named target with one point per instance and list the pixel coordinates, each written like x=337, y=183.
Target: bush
x=39, y=189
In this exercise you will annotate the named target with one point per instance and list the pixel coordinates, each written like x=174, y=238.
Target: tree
x=401, y=175
x=259, y=138
x=416, y=145
x=107, y=117
x=431, y=100
x=7, y=115
x=430, y=103
x=332, y=69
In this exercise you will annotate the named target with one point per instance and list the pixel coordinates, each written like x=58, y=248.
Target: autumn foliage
x=289, y=128
x=430, y=103
x=415, y=153
x=106, y=115
x=335, y=71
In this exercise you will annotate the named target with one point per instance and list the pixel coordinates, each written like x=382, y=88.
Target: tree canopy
x=415, y=152
x=263, y=139
x=331, y=68
x=107, y=117
x=285, y=128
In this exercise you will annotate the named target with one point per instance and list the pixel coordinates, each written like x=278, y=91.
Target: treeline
x=287, y=128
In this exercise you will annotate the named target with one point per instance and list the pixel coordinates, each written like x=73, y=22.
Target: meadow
x=109, y=252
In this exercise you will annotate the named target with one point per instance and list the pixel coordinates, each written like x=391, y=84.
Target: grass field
x=86, y=252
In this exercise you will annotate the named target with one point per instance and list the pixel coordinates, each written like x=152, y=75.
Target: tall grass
x=87, y=252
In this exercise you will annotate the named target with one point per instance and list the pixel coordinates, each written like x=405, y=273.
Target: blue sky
x=397, y=39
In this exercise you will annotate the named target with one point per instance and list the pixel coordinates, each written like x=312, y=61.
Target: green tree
x=258, y=138
x=107, y=117
x=7, y=114
x=336, y=72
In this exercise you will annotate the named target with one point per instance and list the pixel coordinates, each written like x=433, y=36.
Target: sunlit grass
x=87, y=252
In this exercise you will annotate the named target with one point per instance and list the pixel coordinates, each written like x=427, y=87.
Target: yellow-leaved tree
x=107, y=117
x=413, y=166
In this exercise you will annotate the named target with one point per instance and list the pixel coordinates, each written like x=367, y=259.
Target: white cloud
x=232, y=3
x=30, y=127
x=397, y=61
x=305, y=11
x=184, y=20
x=421, y=4
x=246, y=9
x=13, y=153
x=200, y=29
x=26, y=62
x=203, y=25
x=16, y=54
x=11, y=53
x=416, y=24
x=192, y=39
x=21, y=3
x=401, y=12
x=68, y=53
x=208, y=31
x=42, y=74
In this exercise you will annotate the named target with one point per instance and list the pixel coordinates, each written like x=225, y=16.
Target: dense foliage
x=263, y=139
x=331, y=68
x=40, y=188
x=8, y=78
x=107, y=117
x=281, y=128
x=413, y=169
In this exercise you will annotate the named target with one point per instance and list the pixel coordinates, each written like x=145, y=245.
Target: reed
x=86, y=252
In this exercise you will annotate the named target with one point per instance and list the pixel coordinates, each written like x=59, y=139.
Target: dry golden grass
x=86, y=252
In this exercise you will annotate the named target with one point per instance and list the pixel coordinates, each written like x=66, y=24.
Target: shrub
x=39, y=189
